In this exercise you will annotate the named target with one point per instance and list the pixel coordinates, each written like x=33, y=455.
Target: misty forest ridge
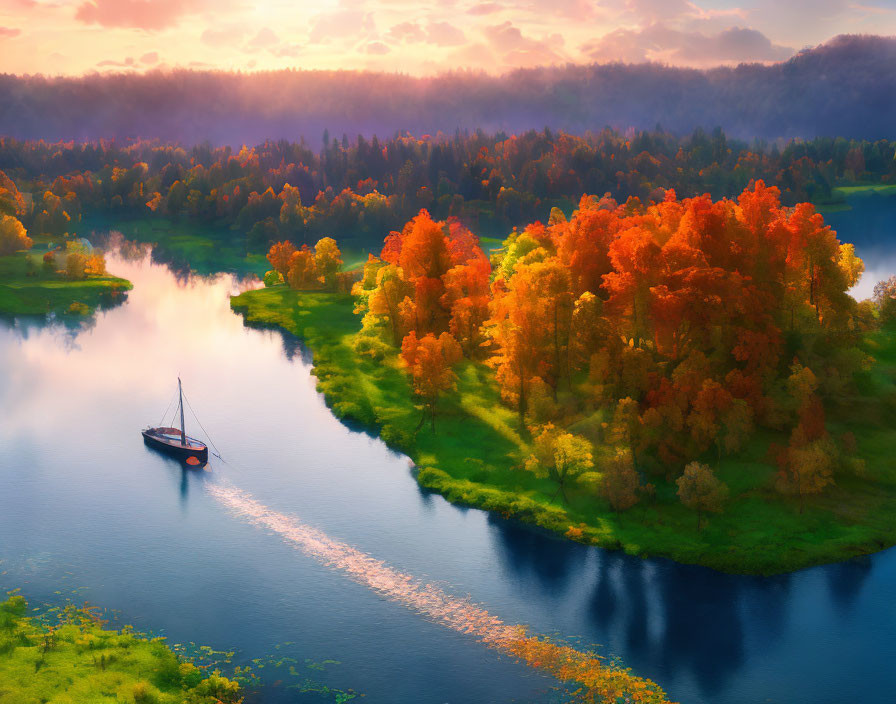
x=845, y=88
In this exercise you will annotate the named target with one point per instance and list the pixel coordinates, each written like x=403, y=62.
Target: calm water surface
x=83, y=504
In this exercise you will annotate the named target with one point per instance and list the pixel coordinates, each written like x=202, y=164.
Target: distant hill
x=846, y=87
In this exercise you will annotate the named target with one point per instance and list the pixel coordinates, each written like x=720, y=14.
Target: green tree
x=701, y=491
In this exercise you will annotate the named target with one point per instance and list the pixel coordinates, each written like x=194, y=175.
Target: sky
x=417, y=37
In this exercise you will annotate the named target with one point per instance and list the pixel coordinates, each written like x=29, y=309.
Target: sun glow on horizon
x=74, y=37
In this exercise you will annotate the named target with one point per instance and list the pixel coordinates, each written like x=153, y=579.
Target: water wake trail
x=597, y=681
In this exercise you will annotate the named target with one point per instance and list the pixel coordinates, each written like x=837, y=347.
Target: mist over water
x=84, y=504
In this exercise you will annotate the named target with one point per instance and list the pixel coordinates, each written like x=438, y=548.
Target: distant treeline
x=362, y=189
x=846, y=87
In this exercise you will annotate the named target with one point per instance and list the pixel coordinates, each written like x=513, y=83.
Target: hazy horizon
x=78, y=37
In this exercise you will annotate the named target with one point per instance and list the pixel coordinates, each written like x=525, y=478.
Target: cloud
x=340, y=24
x=444, y=34
x=377, y=48
x=406, y=32
x=437, y=33
x=265, y=39
x=575, y=9
x=127, y=63
x=9, y=32
x=150, y=58
x=650, y=11
x=658, y=42
x=518, y=50
x=223, y=36
x=288, y=50
x=485, y=8
x=136, y=14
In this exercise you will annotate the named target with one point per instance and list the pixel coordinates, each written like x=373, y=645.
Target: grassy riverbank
x=841, y=195
x=475, y=457
x=203, y=249
x=77, y=660
x=43, y=292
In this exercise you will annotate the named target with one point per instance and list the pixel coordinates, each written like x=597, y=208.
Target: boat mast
x=183, y=433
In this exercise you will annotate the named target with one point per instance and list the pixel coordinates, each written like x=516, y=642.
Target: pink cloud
x=518, y=49
x=266, y=38
x=150, y=58
x=136, y=14
x=444, y=34
x=406, y=32
x=9, y=32
x=658, y=42
x=340, y=24
x=485, y=8
x=128, y=62
x=222, y=36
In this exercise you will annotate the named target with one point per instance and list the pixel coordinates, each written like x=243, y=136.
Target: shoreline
x=41, y=294
x=760, y=534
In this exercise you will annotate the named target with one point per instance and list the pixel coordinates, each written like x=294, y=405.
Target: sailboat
x=175, y=441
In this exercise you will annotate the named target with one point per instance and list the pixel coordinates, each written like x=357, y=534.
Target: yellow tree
x=327, y=261
x=76, y=266
x=701, y=491
x=389, y=290
x=11, y=200
x=560, y=456
x=13, y=235
x=620, y=481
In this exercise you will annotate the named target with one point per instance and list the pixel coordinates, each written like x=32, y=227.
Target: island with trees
x=678, y=377
x=49, y=270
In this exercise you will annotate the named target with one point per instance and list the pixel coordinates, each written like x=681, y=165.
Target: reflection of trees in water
x=70, y=326
x=845, y=580
x=529, y=553
x=125, y=249
x=292, y=345
x=703, y=628
x=659, y=616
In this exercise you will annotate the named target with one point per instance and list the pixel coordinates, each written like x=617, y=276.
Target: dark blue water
x=870, y=224
x=84, y=505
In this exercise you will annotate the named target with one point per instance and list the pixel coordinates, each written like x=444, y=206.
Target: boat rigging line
x=165, y=414
x=216, y=452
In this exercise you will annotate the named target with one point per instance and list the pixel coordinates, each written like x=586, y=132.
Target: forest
x=844, y=87
x=637, y=353
x=614, y=349
x=358, y=190
x=692, y=321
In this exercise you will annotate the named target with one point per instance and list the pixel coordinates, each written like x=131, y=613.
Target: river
x=88, y=512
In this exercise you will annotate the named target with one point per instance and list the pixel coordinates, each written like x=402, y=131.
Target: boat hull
x=174, y=447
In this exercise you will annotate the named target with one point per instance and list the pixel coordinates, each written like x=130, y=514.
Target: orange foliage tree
x=430, y=361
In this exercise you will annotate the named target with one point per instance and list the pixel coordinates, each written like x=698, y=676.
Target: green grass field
x=74, y=660
x=475, y=457
x=866, y=189
x=49, y=292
